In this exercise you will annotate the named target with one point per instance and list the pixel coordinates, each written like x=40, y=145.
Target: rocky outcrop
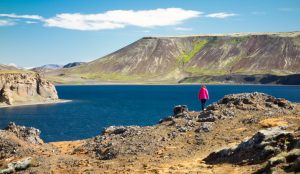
x=261, y=147
x=18, y=141
x=28, y=134
x=226, y=107
x=279, y=147
x=25, y=87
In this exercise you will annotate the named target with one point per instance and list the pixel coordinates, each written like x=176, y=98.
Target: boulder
x=179, y=109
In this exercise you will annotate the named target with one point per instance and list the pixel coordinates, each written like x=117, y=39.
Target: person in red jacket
x=203, y=96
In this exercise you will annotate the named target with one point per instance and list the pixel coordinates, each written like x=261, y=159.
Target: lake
x=95, y=107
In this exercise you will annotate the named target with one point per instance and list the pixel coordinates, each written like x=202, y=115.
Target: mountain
x=170, y=59
x=46, y=68
x=7, y=67
x=73, y=64
x=50, y=67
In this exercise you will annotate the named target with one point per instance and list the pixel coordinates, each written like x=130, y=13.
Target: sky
x=38, y=32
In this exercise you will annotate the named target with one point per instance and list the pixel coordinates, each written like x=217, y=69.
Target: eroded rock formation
x=25, y=88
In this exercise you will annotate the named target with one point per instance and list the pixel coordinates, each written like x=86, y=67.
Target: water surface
x=96, y=107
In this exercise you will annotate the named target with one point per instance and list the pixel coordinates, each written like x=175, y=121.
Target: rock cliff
x=25, y=88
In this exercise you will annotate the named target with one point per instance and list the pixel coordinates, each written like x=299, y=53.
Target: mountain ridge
x=170, y=59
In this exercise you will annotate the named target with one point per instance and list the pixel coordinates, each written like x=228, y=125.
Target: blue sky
x=37, y=32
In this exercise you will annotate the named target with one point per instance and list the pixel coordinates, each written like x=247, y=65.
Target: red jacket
x=203, y=94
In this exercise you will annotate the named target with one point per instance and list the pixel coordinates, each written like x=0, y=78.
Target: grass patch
x=185, y=57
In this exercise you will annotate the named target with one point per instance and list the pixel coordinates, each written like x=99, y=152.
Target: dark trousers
x=203, y=103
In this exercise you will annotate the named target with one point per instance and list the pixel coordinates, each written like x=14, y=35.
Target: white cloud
x=122, y=18
x=221, y=15
x=183, y=29
x=116, y=19
x=35, y=17
x=6, y=23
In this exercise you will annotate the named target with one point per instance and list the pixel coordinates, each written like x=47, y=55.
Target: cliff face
x=174, y=58
x=25, y=88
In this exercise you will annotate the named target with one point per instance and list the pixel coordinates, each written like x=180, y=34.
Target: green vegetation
x=185, y=57
x=111, y=76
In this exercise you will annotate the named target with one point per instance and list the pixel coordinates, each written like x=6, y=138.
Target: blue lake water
x=96, y=107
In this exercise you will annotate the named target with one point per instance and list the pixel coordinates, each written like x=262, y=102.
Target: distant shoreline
x=35, y=103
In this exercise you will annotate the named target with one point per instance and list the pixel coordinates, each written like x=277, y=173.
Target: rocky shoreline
x=241, y=133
